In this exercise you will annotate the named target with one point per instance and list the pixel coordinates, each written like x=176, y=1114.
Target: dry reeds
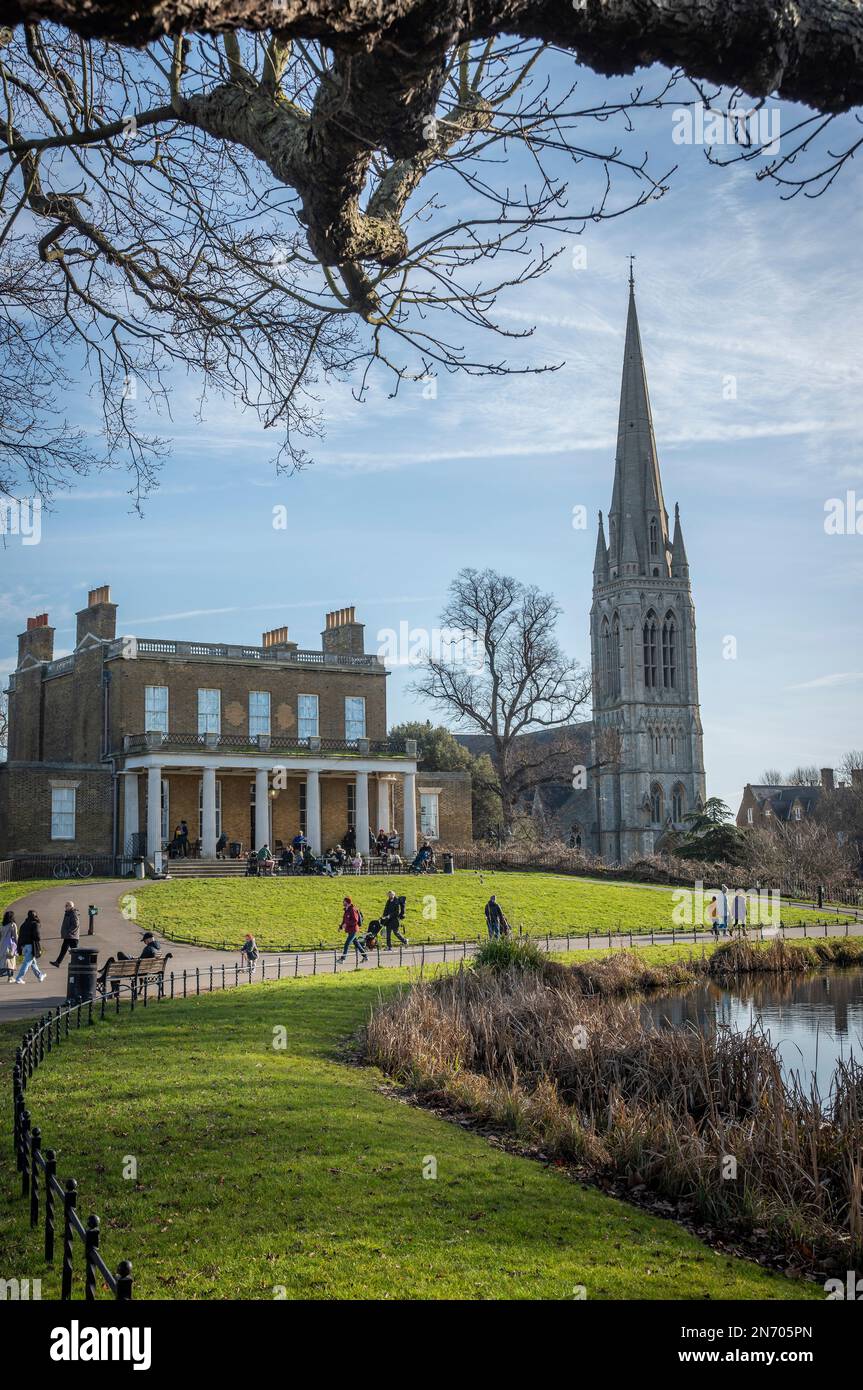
x=556, y=1057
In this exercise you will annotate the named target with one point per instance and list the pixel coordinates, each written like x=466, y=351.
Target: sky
x=750, y=311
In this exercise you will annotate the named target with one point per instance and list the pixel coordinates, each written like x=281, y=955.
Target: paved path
x=113, y=933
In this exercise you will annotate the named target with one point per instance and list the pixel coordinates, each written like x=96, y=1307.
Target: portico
x=218, y=791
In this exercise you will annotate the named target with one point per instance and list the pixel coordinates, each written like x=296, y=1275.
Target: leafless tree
x=772, y=777
x=526, y=682
x=804, y=776
x=274, y=194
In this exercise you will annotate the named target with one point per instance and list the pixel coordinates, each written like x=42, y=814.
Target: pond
x=813, y=1020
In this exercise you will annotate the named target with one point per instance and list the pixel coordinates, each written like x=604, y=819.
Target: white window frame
x=305, y=721
x=259, y=719
x=209, y=720
x=427, y=830
x=155, y=720
x=355, y=727
x=64, y=814
x=749, y=815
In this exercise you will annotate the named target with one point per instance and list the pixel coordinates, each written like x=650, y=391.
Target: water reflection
x=813, y=1020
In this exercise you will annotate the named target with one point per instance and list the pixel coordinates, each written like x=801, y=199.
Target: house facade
x=113, y=745
x=762, y=806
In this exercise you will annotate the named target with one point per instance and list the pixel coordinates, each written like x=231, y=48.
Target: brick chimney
x=37, y=642
x=828, y=782
x=99, y=618
x=276, y=642
x=343, y=635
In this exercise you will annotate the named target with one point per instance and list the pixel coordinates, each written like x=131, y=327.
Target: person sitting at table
x=266, y=862
x=308, y=862
x=252, y=865
x=286, y=859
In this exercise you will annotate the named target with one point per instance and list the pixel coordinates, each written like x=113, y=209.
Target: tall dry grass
x=558, y=1057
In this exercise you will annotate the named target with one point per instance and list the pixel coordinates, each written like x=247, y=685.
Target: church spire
x=600, y=562
x=679, y=560
x=637, y=504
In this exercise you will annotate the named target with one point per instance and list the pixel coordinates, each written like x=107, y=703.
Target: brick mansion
x=114, y=744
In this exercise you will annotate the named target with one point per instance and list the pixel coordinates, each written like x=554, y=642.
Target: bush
x=510, y=952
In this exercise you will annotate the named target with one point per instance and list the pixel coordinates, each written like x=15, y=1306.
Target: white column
x=409, y=838
x=208, y=810
x=362, y=805
x=262, y=808
x=313, y=810
x=154, y=814
x=130, y=810
x=383, y=804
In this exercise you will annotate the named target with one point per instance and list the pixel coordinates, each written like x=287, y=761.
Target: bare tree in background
x=772, y=777
x=804, y=776
x=526, y=682
x=328, y=191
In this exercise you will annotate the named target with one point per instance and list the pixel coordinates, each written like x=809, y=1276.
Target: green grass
x=296, y=912
x=260, y=1169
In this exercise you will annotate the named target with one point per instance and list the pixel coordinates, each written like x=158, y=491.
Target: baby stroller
x=370, y=937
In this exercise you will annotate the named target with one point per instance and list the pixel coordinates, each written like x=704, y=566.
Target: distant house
x=764, y=805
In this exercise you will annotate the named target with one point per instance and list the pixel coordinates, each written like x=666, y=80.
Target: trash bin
x=448, y=864
x=139, y=869
x=82, y=974
x=235, y=849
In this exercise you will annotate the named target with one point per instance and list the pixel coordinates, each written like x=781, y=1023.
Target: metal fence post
x=91, y=1249
x=70, y=1197
x=35, y=1146
x=124, y=1281
x=50, y=1175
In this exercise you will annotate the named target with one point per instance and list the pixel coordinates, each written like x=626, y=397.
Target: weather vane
x=631, y=276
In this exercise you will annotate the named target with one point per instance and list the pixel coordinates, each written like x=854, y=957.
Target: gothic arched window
x=678, y=804
x=648, y=635
x=656, y=801
x=615, y=656
x=669, y=651
x=605, y=657
x=654, y=537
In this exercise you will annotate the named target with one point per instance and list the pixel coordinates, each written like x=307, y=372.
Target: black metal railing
x=265, y=743
x=40, y=1186
x=62, y=866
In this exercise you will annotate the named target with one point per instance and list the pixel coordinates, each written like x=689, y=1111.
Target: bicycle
x=73, y=868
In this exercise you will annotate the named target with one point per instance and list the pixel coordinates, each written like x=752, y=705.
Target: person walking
x=723, y=909
x=30, y=945
x=8, y=945
x=351, y=923
x=740, y=911
x=70, y=931
x=495, y=920
x=390, y=917
x=713, y=916
x=249, y=950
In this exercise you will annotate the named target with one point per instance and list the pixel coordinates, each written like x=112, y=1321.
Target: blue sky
x=730, y=282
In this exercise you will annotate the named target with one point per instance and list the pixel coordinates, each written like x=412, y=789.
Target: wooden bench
x=128, y=974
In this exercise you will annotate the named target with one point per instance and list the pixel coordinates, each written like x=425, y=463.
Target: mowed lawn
x=296, y=912
x=265, y=1172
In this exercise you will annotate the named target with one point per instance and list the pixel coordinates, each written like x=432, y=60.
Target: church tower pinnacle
x=648, y=769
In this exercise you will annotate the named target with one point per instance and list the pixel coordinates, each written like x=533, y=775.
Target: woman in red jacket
x=351, y=925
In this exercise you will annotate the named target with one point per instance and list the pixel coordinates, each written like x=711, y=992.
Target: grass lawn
x=294, y=912
x=263, y=1169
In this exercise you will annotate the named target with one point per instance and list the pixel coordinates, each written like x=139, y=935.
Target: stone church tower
x=648, y=767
